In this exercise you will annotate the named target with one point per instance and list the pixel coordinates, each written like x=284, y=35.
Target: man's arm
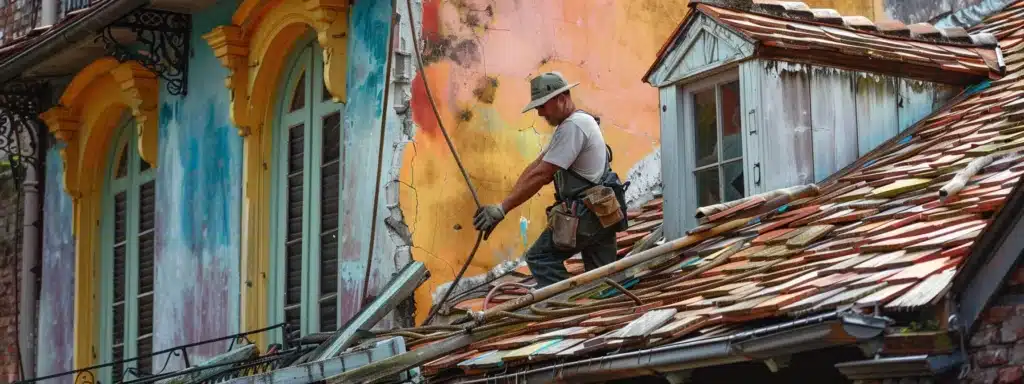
x=535, y=176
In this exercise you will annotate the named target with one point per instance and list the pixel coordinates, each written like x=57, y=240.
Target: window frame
x=304, y=61
x=688, y=138
x=122, y=142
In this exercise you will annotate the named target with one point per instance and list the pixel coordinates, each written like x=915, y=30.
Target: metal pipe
x=30, y=252
x=48, y=12
x=55, y=41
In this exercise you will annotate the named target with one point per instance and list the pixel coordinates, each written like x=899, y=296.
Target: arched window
x=306, y=190
x=127, y=251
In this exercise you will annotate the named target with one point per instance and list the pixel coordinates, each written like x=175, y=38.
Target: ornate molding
x=88, y=113
x=64, y=125
x=253, y=50
x=231, y=48
x=139, y=89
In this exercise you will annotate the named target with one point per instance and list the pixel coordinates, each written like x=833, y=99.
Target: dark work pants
x=547, y=262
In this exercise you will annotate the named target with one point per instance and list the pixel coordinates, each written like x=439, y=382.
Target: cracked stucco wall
x=478, y=57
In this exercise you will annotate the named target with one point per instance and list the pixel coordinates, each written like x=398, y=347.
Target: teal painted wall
x=199, y=186
x=56, y=294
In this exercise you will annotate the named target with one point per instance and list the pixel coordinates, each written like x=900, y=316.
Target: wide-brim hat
x=544, y=87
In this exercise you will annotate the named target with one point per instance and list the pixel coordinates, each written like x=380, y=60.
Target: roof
x=789, y=30
x=879, y=234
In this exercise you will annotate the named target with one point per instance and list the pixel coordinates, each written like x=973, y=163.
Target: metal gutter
x=321, y=370
x=98, y=16
x=901, y=367
x=826, y=330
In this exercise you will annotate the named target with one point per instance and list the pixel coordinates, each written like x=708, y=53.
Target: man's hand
x=487, y=217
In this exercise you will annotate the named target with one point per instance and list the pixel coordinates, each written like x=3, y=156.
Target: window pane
x=733, y=180
x=122, y=163
x=705, y=127
x=732, y=144
x=298, y=94
x=707, y=187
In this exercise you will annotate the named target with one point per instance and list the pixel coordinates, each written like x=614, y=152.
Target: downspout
x=48, y=12
x=53, y=42
x=31, y=242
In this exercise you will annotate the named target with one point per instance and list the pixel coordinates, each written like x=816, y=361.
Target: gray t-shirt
x=578, y=144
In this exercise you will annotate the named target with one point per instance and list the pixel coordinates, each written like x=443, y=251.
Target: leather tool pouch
x=602, y=201
x=564, y=223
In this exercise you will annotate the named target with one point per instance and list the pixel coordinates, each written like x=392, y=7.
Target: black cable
x=465, y=175
x=380, y=150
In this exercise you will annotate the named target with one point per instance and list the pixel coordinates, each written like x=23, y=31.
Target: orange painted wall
x=479, y=56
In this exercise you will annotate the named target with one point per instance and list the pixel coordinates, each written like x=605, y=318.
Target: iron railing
x=277, y=356
x=68, y=6
x=17, y=19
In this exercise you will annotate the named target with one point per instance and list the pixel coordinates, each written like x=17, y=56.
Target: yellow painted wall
x=479, y=58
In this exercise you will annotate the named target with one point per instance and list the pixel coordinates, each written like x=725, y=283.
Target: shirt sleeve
x=566, y=144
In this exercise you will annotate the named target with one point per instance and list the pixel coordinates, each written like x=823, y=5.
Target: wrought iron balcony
x=278, y=356
x=17, y=18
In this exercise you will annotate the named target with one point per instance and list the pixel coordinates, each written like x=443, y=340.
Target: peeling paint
x=199, y=211
x=644, y=180
x=56, y=294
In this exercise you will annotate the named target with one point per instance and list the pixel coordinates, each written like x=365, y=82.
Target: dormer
x=761, y=95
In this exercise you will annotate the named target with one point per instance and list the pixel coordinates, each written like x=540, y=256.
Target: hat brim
x=536, y=103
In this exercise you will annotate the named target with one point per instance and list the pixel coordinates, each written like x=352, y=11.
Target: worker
x=589, y=198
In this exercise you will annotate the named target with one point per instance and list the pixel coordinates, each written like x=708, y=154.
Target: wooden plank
x=397, y=290
x=877, y=119
x=809, y=236
x=675, y=194
x=917, y=101
x=640, y=328
x=834, y=122
x=750, y=100
x=787, y=125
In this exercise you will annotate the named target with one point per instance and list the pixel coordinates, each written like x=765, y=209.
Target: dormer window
x=757, y=98
x=715, y=128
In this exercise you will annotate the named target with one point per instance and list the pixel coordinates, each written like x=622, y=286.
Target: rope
x=458, y=160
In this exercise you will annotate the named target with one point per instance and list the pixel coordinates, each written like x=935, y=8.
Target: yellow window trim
x=252, y=48
x=86, y=120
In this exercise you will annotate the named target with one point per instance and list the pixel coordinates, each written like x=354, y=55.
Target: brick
x=1010, y=375
x=985, y=375
x=1012, y=329
x=1017, y=278
x=991, y=357
x=1017, y=354
x=998, y=313
x=988, y=334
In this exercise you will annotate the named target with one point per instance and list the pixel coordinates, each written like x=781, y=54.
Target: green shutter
x=307, y=198
x=128, y=246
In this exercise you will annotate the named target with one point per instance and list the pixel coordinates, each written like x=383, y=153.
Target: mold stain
x=486, y=89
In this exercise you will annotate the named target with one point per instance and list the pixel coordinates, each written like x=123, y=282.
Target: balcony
x=19, y=17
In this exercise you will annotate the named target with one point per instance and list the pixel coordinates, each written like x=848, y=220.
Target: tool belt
x=586, y=210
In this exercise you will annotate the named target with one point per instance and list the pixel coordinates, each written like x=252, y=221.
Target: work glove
x=487, y=217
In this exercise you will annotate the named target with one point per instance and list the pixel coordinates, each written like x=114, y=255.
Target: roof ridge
x=797, y=11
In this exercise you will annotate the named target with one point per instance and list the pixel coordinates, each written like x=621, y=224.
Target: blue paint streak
x=199, y=196
x=905, y=140
x=56, y=300
x=367, y=56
